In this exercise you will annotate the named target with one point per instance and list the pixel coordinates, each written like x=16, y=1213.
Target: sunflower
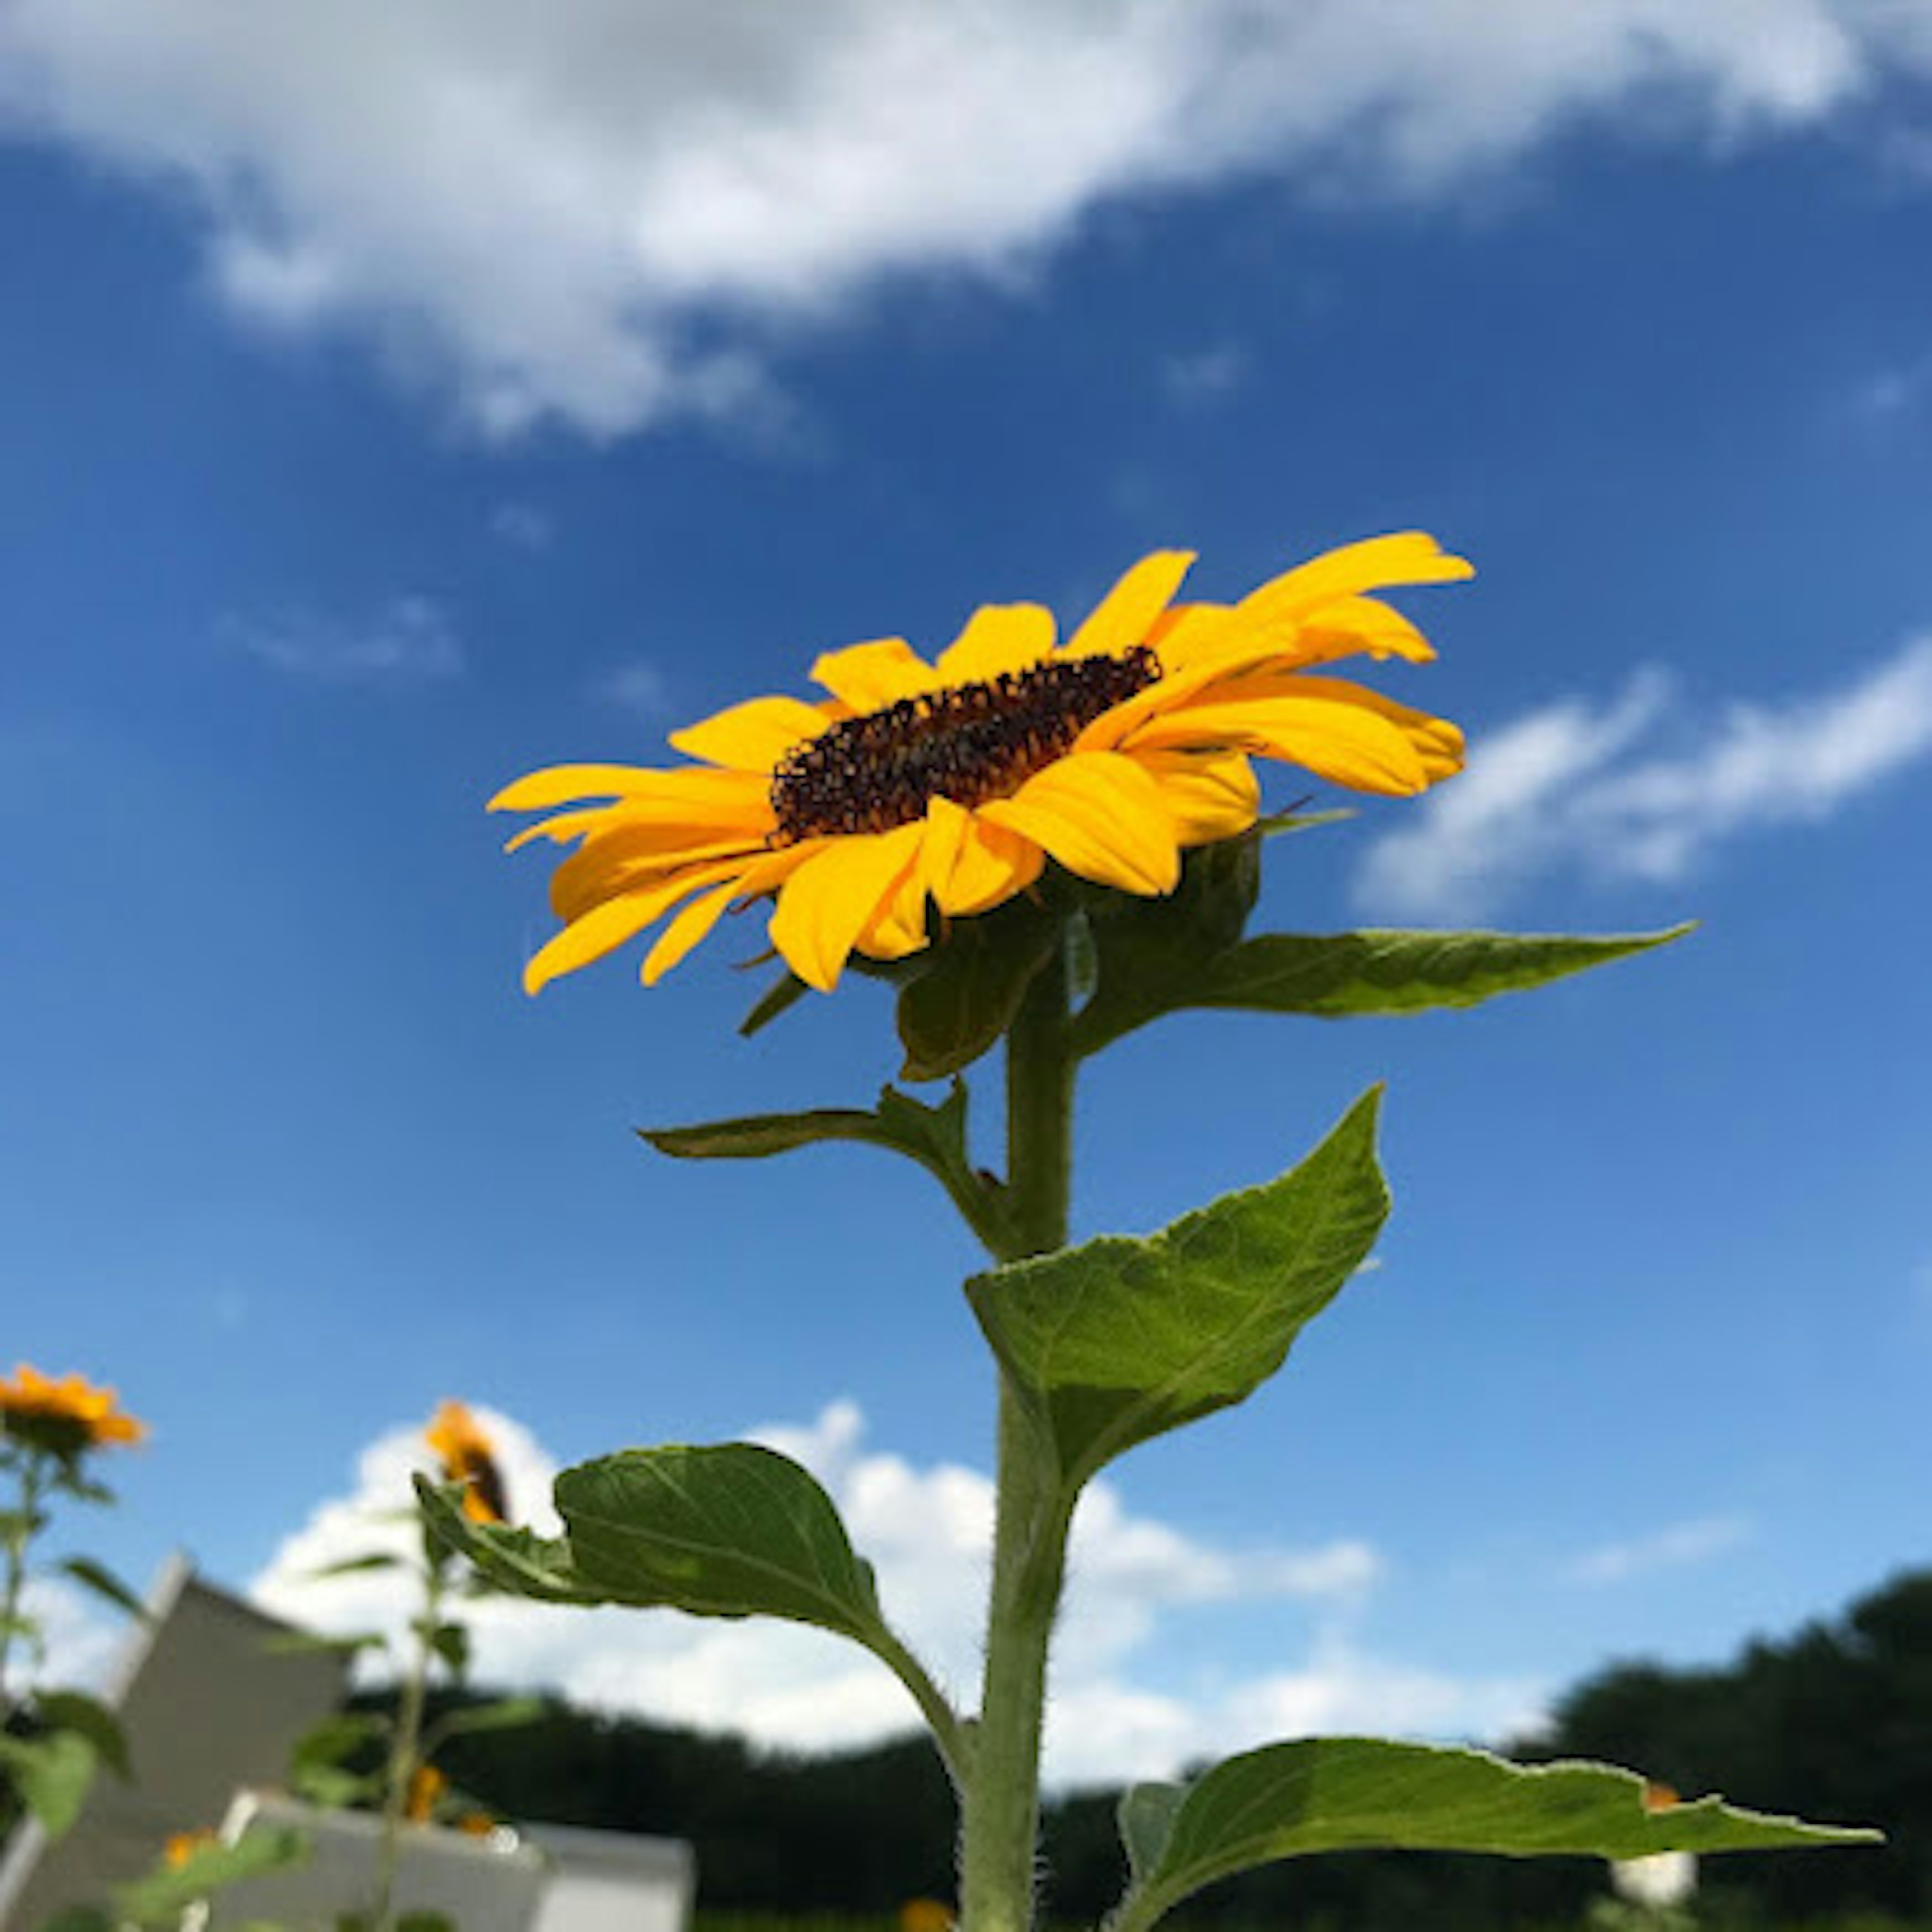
x=63, y=1416
x=468, y=1457
x=951, y=784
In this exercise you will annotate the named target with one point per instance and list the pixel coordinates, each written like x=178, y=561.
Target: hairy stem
x=1000, y=1823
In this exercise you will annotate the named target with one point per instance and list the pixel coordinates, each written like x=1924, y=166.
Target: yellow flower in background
x=951, y=784
x=925, y=1915
x=63, y=1416
x=182, y=1845
x=458, y=1440
x=427, y=1785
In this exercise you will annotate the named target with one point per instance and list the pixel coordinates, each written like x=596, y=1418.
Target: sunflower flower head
x=917, y=793
x=63, y=1417
x=459, y=1443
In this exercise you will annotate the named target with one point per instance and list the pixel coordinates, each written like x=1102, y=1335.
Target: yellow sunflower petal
x=563, y=785
x=561, y=828
x=997, y=637
x=1352, y=624
x=827, y=902
x=1411, y=556
x=602, y=927
x=1100, y=815
x=684, y=932
x=868, y=677
x=993, y=865
x=752, y=736
x=1209, y=796
x=1340, y=731
x=1125, y=616
x=897, y=928
x=626, y=862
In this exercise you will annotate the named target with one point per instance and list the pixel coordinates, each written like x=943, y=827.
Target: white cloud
x=522, y=525
x=1573, y=786
x=409, y=640
x=75, y=1643
x=596, y=211
x=1674, y=1548
x=929, y=1531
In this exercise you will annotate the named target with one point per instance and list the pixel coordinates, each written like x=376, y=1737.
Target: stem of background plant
x=407, y=1743
x=1000, y=1826
x=20, y=1533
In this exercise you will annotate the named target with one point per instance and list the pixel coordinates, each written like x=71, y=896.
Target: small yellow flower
x=427, y=1785
x=951, y=784
x=468, y=1457
x=925, y=1915
x=182, y=1845
x=63, y=1416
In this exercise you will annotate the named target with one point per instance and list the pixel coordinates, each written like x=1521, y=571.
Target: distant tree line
x=1834, y=1723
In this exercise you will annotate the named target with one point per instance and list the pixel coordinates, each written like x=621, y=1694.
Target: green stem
x=405, y=1748
x=1000, y=1822
x=19, y=1534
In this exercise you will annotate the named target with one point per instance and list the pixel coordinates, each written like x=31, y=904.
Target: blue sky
x=385, y=415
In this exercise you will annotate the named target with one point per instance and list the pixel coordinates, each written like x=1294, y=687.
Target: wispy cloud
x=1203, y=376
x=409, y=640
x=522, y=525
x=1641, y=788
x=541, y=201
x=1675, y=1548
x=929, y=1531
x=638, y=686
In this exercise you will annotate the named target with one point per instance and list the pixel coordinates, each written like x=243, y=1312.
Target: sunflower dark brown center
x=969, y=743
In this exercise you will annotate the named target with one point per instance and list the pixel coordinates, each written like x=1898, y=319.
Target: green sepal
x=935, y=1136
x=1359, y=975
x=1122, y=1339
x=780, y=997
x=104, y=1584
x=1149, y=953
x=1353, y=1794
x=163, y=1896
x=51, y=1773
x=978, y=973
x=89, y=1718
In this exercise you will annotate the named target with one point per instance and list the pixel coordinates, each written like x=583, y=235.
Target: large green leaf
x=1348, y=975
x=1120, y=1339
x=733, y=1531
x=52, y=1775
x=935, y=1137
x=1351, y=1794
